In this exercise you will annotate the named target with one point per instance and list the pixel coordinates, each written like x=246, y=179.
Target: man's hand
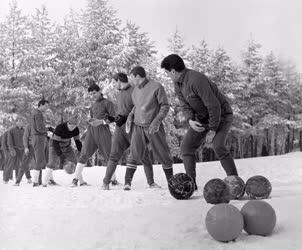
x=196, y=126
x=109, y=119
x=210, y=136
x=154, y=127
x=13, y=153
x=26, y=151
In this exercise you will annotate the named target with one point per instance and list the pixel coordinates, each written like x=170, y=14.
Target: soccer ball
x=181, y=186
x=69, y=167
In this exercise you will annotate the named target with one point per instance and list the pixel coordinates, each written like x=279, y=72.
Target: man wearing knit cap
x=15, y=149
x=120, y=139
x=145, y=123
x=98, y=133
x=207, y=110
x=60, y=149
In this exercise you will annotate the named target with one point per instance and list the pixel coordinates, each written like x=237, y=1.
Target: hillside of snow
x=88, y=218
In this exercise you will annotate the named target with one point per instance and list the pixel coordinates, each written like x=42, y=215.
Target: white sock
x=36, y=175
x=78, y=171
x=51, y=175
x=47, y=176
x=113, y=178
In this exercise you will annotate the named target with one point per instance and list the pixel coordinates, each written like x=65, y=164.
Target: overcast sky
x=276, y=24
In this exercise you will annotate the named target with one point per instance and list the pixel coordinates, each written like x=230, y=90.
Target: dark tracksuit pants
x=2, y=160
x=139, y=142
x=54, y=160
x=193, y=140
x=25, y=165
x=13, y=162
x=39, y=143
x=120, y=143
x=96, y=138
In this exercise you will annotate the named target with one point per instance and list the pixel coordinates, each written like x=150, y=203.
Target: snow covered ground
x=88, y=218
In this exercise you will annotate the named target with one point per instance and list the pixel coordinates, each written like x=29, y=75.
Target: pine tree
x=14, y=46
x=199, y=58
x=176, y=45
x=101, y=38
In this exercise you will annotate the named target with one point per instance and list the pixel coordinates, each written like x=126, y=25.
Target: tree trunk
x=272, y=146
x=300, y=140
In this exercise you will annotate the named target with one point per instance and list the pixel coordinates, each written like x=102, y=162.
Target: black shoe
x=36, y=184
x=74, y=183
x=115, y=183
x=52, y=183
x=84, y=184
x=127, y=187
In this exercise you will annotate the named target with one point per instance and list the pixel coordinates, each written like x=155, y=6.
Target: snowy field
x=88, y=218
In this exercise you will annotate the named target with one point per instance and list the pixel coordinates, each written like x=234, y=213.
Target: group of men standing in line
x=141, y=108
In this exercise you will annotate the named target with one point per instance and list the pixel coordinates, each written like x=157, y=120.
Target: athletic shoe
x=154, y=185
x=52, y=183
x=127, y=187
x=105, y=186
x=17, y=184
x=74, y=183
x=84, y=184
x=29, y=181
x=44, y=185
x=115, y=182
x=36, y=184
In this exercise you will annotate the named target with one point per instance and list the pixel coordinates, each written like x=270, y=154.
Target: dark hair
x=173, y=61
x=93, y=87
x=120, y=76
x=138, y=70
x=42, y=102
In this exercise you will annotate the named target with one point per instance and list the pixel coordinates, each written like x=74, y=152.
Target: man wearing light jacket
x=207, y=110
x=120, y=139
x=145, y=123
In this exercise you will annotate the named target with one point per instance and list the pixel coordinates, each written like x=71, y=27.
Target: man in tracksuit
x=27, y=158
x=98, y=133
x=5, y=151
x=145, y=123
x=15, y=149
x=60, y=149
x=207, y=110
x=39, y=139
x=120, y=139
x=2, y=157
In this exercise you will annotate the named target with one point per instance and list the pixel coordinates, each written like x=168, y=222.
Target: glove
x=109, y=118
x=154, y=127
x=120, y=120
x=51, y=129
x=26, y=151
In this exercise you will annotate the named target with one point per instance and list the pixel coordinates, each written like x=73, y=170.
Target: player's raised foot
x=17, y=184
x=105, y=186
x=35, y=184
x=127, y=187
x=29, y=181
x=74, y=183
x=154, y=185
x=84, y=183
x=52, y=183
x=115, y=182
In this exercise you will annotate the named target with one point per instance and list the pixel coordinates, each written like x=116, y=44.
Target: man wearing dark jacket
x=145, y=123
x=207, y=110
x=39, y=139
x=60, y=149
x=27, y=158
x=98, y=133
x=120, y=139
x=15, y=149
